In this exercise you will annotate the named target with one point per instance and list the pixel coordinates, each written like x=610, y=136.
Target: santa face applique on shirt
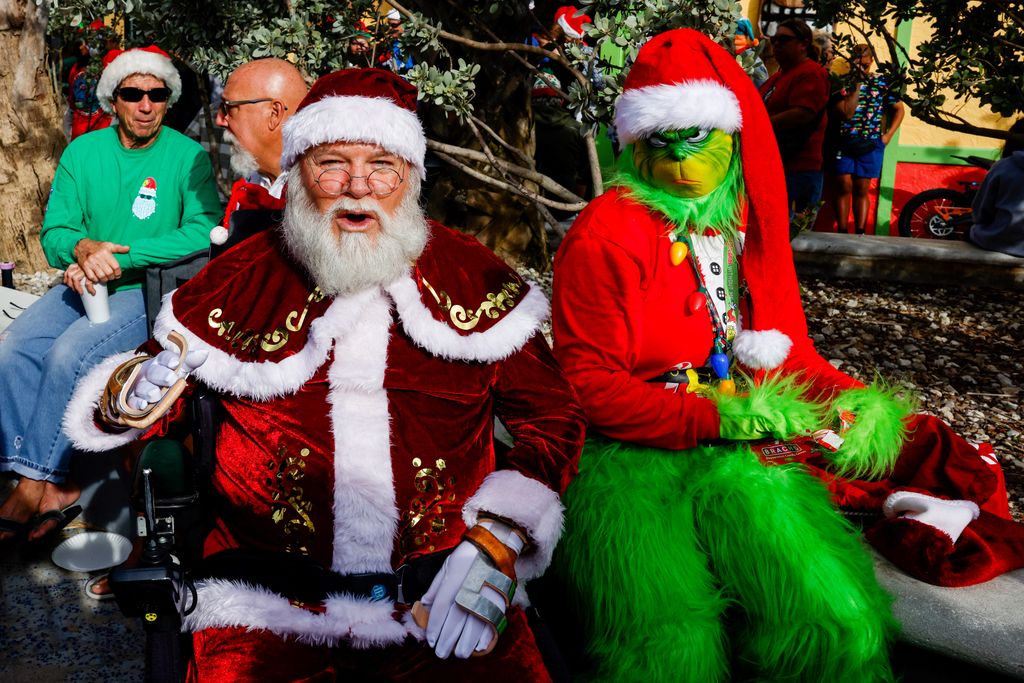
x=145, y=202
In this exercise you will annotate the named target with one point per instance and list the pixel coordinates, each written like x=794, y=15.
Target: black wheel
x=938, y=214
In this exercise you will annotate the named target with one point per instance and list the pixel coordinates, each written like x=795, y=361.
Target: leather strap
x=499, y=553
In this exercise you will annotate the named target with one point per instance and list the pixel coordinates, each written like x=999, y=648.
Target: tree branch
x=494, y=182
x=515, y=150
x=503, y=47
x=527, y=174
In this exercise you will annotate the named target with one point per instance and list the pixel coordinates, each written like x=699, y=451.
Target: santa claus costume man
x=694, y=555
x=361, y=354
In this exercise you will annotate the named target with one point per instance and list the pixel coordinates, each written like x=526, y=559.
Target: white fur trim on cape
x=506, y=337
x=359, y=622
x=375, y=120
x=528, y=503
x=79, y=424
x=761, y=349
x=132, y=62
x=654, y=108
x=365, y=512
x=266, y=380
x=950, y=517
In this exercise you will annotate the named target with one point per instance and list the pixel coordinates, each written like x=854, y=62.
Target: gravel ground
x=960, y=350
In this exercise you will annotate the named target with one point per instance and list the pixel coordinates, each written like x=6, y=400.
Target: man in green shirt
x=123, y=198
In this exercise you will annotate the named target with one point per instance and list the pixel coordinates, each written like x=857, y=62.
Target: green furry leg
x=630, y=557
x=812, y=609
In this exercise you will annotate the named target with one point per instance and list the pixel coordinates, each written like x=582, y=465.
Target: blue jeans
x=803, y=188
x=43, y=355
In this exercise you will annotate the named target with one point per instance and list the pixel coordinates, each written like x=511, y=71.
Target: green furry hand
x=776, y=408
x=875, y=426
x=744, y=428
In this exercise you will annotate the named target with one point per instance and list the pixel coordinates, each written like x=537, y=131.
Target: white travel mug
x=97, y=308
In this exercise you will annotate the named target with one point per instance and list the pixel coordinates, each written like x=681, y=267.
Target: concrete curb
x=982, y=624
x=905, y=259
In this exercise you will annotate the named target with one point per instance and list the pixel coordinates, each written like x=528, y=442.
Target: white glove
x=450, y=627
x=158, y=374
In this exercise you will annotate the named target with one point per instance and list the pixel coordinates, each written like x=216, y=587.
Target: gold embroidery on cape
x=424, y=517
x=467, y=319
x=290, y=508
x=268, y=341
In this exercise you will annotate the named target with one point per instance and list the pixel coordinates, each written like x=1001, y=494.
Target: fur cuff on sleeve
x=79, y=422
x=873, y=439
x=528, y=503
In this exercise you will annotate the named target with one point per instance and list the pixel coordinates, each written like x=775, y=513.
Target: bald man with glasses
x=259, y=97
x=123, y=198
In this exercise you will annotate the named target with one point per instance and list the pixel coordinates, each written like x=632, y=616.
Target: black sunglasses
x=155, y=95
x=779, y=39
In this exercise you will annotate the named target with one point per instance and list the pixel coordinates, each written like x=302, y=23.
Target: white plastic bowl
x=90, y=551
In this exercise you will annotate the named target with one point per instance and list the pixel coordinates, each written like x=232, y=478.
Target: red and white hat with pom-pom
x=682, y=79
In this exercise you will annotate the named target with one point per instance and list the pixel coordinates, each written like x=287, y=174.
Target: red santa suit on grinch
x=358, y=436
x=623, y=317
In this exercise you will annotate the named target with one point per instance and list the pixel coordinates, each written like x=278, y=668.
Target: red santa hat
x=681, y=79
x=572, y=20
x=151, y=61
x=357, y=105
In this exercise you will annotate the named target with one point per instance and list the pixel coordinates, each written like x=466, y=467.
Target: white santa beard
x=351, y=262
x=143, y=207
x=243, y=163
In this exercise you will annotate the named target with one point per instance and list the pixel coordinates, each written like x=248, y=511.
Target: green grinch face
x=685, y=163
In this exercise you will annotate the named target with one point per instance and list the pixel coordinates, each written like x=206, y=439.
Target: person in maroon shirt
x=796, y=97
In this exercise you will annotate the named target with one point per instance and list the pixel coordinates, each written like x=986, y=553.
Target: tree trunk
x=31, y=139
x=508, y=224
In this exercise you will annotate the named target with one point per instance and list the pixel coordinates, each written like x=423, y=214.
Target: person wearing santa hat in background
x=361, y=354
x=258, y=98
x=677, y=317
x=123, y=198
x=560, y=150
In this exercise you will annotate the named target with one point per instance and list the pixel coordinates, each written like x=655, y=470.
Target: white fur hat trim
x=352, y=118
x=131, y=62
x=653, y=108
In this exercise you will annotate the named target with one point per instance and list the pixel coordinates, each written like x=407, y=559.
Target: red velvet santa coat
x=359, y=430
x=619, y=319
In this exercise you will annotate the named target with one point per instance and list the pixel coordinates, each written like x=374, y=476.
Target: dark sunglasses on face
x=781, y=39
x=156, y=95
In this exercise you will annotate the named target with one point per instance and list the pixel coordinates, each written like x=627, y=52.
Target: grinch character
x=701, y=538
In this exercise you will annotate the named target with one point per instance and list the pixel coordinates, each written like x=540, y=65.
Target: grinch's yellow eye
x=657, y=141
x=698, y=136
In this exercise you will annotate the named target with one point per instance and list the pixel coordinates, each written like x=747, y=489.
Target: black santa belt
x=300, y=579
x=704, y=375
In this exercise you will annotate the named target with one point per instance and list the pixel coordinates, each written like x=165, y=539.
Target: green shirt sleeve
x=64, y=221
x=200, y=212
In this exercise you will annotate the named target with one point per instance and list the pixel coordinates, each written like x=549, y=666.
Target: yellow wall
x=915, y=132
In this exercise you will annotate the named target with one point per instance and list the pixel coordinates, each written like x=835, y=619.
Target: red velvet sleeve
x=539, y=408
x=597, y=329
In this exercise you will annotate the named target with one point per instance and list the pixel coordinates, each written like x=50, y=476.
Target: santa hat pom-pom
x=219, y=235
x=761, y=349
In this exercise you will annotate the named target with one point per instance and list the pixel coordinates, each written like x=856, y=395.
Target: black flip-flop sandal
x=62, y=517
